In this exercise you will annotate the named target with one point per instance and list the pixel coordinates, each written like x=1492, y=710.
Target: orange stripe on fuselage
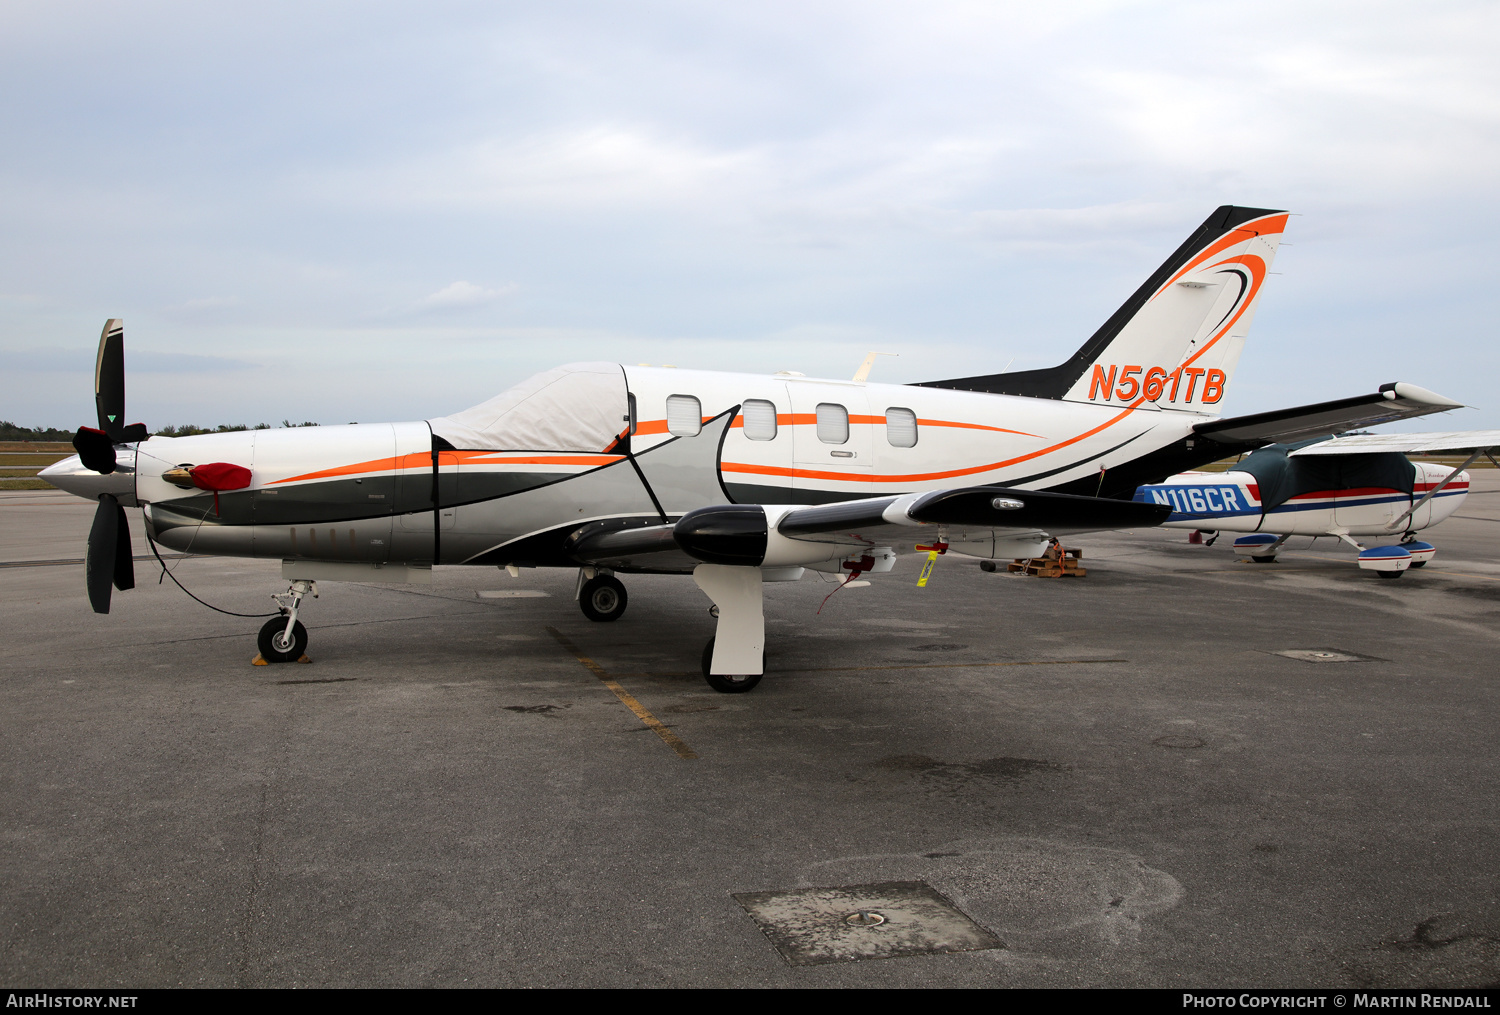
x=975, y=426
x=811, y=419
x=776, y=470
x=423, y=460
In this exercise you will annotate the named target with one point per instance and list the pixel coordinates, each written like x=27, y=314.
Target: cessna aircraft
x=736, y=479
x=1359, y=485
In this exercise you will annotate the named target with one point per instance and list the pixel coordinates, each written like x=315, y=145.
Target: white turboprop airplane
x=735, y=479
x=1359, y=485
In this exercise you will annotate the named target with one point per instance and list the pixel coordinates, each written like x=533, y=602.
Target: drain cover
x=815, y=925
x=1325, y=655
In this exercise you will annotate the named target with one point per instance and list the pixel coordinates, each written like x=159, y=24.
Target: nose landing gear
x=283, y=639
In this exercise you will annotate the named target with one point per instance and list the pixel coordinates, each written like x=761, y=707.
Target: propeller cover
x=109, y=560
x=96, y=449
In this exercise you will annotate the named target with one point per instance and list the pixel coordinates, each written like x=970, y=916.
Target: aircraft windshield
x=578, y=407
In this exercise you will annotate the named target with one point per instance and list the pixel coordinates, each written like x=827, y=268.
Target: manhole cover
x=1324, y=655
x=815, y=925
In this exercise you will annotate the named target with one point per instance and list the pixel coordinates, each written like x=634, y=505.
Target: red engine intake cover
x=218, y=476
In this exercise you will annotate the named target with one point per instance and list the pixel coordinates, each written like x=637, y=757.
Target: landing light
x=1007, y=504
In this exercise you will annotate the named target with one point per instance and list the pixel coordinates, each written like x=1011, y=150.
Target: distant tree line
x=189, y=430
x=11, y=432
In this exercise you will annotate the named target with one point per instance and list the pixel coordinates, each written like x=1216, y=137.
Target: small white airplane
x=736, y=479
x=1359, y=485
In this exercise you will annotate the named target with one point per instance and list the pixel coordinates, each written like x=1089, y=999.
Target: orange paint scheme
x=1262, y=227
x=811, y=419
x=775, y=470
x=1257, y=268
x=423, y=460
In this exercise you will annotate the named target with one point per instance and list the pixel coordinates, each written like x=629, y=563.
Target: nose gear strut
x=283, y=639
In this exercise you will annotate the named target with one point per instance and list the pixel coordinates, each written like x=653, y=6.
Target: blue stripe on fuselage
x=1208, y=501
x=1223, y=501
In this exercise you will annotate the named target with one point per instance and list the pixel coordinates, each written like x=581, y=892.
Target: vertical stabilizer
x=1174, y=344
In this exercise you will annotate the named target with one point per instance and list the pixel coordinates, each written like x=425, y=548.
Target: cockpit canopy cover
x=577, y=407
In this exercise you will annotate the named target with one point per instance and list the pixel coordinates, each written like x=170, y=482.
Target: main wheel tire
x=1419, y=563
x=1265, y=560
x=603, y=598
x=988, y=566
x=273, y=650
x=729, y=683
x=1391, y=574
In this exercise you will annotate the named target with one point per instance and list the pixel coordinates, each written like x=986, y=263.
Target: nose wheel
x=283, y=639
x=274, y=644
x=602, y=598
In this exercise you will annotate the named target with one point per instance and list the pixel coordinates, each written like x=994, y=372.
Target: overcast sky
x=379, y=211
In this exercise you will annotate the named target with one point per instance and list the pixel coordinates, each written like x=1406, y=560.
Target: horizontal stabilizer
x=1406, y=443
x=1281, y=426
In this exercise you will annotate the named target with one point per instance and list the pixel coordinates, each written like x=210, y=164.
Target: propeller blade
x=124, y=558
x=96, y=450
x=109, y=379
x=100, y=562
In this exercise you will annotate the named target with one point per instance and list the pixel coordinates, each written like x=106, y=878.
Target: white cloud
x=961, y=181
x=463, y=296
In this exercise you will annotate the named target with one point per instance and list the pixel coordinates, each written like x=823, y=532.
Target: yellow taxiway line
x=671, y=739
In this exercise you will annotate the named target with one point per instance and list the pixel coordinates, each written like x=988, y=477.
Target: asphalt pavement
x=1112, y=780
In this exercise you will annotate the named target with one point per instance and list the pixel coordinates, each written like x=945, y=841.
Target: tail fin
x=1176, y=341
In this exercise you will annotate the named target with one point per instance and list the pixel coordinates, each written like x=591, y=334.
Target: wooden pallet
x=1058, y=562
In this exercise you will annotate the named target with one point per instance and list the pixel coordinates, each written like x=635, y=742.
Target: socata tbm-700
x=736, y=479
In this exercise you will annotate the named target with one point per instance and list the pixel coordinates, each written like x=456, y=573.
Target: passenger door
x=833, y=442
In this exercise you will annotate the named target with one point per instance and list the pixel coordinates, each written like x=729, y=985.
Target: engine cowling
x=745, y=535
x=732, y=534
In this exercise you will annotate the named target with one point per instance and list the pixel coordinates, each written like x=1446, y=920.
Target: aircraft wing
x=965, y=514
x=1406, y=443
x=1392, y=402
x=744, y=533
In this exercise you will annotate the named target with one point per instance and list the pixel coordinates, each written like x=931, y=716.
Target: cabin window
x=901, y=427
x=833, y=423
x=760, y=419
x=684, y=416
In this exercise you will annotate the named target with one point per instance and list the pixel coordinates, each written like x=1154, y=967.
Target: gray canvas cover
x=1281, y=477
x=577, y=407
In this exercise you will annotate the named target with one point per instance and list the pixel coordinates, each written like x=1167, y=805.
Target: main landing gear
x=734, y=659
x=600, y=595
x=283, y=639
x=729, y=683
